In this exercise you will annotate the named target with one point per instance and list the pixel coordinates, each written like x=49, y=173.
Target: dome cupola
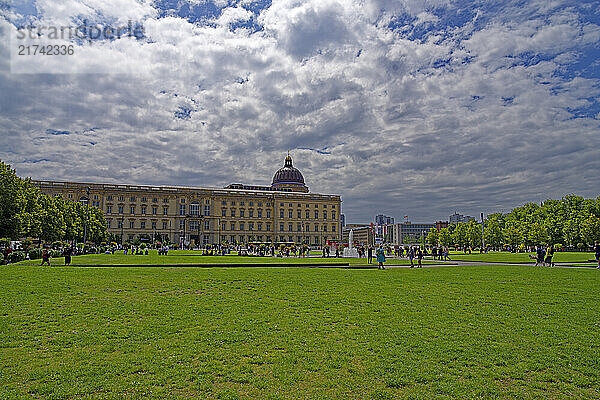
x=289, y=178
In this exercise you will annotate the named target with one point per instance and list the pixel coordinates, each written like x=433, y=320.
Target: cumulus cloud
x=404, y=107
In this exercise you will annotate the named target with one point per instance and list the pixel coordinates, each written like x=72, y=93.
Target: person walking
x=45, y=257
x=420, y=257
x=549, y=254
x=597, y=251
x=370, y=255
x=67, y=253
x=380, y=258
x=411, y=256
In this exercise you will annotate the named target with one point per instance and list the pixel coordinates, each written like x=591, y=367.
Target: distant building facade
x=284, y=212
x=456, y=218
x=362, y=234
x=409, y=233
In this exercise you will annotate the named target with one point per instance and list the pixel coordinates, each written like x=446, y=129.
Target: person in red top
x=45, y=257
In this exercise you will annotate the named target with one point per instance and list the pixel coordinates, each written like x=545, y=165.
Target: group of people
x=543, y=256
x=66, y=253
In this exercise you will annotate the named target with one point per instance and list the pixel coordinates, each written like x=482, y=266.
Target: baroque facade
x=286, y=211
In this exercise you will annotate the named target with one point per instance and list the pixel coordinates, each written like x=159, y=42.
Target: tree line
x=25, y=212
x=571, y=222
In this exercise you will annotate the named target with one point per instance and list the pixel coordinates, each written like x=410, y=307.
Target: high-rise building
x=456, y=218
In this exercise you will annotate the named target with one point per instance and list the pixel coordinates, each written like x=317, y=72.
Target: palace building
x=286, y=211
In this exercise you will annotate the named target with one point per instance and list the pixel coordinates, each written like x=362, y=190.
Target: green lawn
x=507, y=257
x=190, y=257
x=489, y=332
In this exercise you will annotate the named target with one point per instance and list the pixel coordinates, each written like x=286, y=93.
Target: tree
x=432, y=237
x=493, y=233
x=18, y=204
x=445, y=237
x=459, y=234
x=52, y=223
x=590, y=229
x=538, y=233
x=512, y=233
x=474, y=234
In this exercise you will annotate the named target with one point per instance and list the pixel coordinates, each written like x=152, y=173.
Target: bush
x=1, y=259
x=55, y=253
x=16, y=256
x=35, y=254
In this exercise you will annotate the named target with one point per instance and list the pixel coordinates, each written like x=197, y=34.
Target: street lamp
x=122, y=223
x=87, y=211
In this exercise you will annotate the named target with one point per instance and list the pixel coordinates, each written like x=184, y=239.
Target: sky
x=406, y=107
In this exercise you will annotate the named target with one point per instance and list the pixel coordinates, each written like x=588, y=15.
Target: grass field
x=191, y=257
x=507, y=257
x=286, y=333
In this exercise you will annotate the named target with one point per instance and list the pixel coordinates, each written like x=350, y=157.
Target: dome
x=288, y=176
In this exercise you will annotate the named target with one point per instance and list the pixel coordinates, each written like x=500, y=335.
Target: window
x=120, y=224
x=316, y=228
x=223, y=226
x=194, y=225
x=194, y=209
x=206, y=225
x=182, y=201
x=182, y=209
x=290, y=215
x=207, y=202
x=307, y=214
x=96, y=204
x=130, y=238
x=154, y=225
x=260, y=204
x=131, y=224
x=333, y=215
x=268, y=204
x=121, y=198
x=250, y=226
x=299, y=227
x=233, y=212
x=280, y=213
x=316, y=206
x=155, y=200
x=324, y=205
x=108, y=221
x=307, y=227
x=182, y=224
x=143, y=224
x=109, y=209
x=259, y=226
x=324, y=214
x=165, y=200
x=242, y=213
x=165, y=210
x=251, y=203
x=281, y=227
x=120, y=209
x=207, y=210
x=299, y=214
x=143, y=210
x=332, y=228
x=241, y=204
x=268, y=227
x=71, y=196
x=154, y=210
x=164, y=224
x=108, y=198
x=233, y=226
x=290, y=228
x=223, y=212
x=223, y=203
x=268, y=213
x=132, y=198
x=259, y=213
x=316, y=214
x=233, y=204
x=324, y=228
x=242, y=227
x=250, y=213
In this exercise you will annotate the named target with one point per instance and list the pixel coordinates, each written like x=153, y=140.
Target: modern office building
x=286, y=211
x=409, y=233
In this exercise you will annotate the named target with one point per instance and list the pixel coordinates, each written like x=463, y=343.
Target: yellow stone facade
x=209, y=216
